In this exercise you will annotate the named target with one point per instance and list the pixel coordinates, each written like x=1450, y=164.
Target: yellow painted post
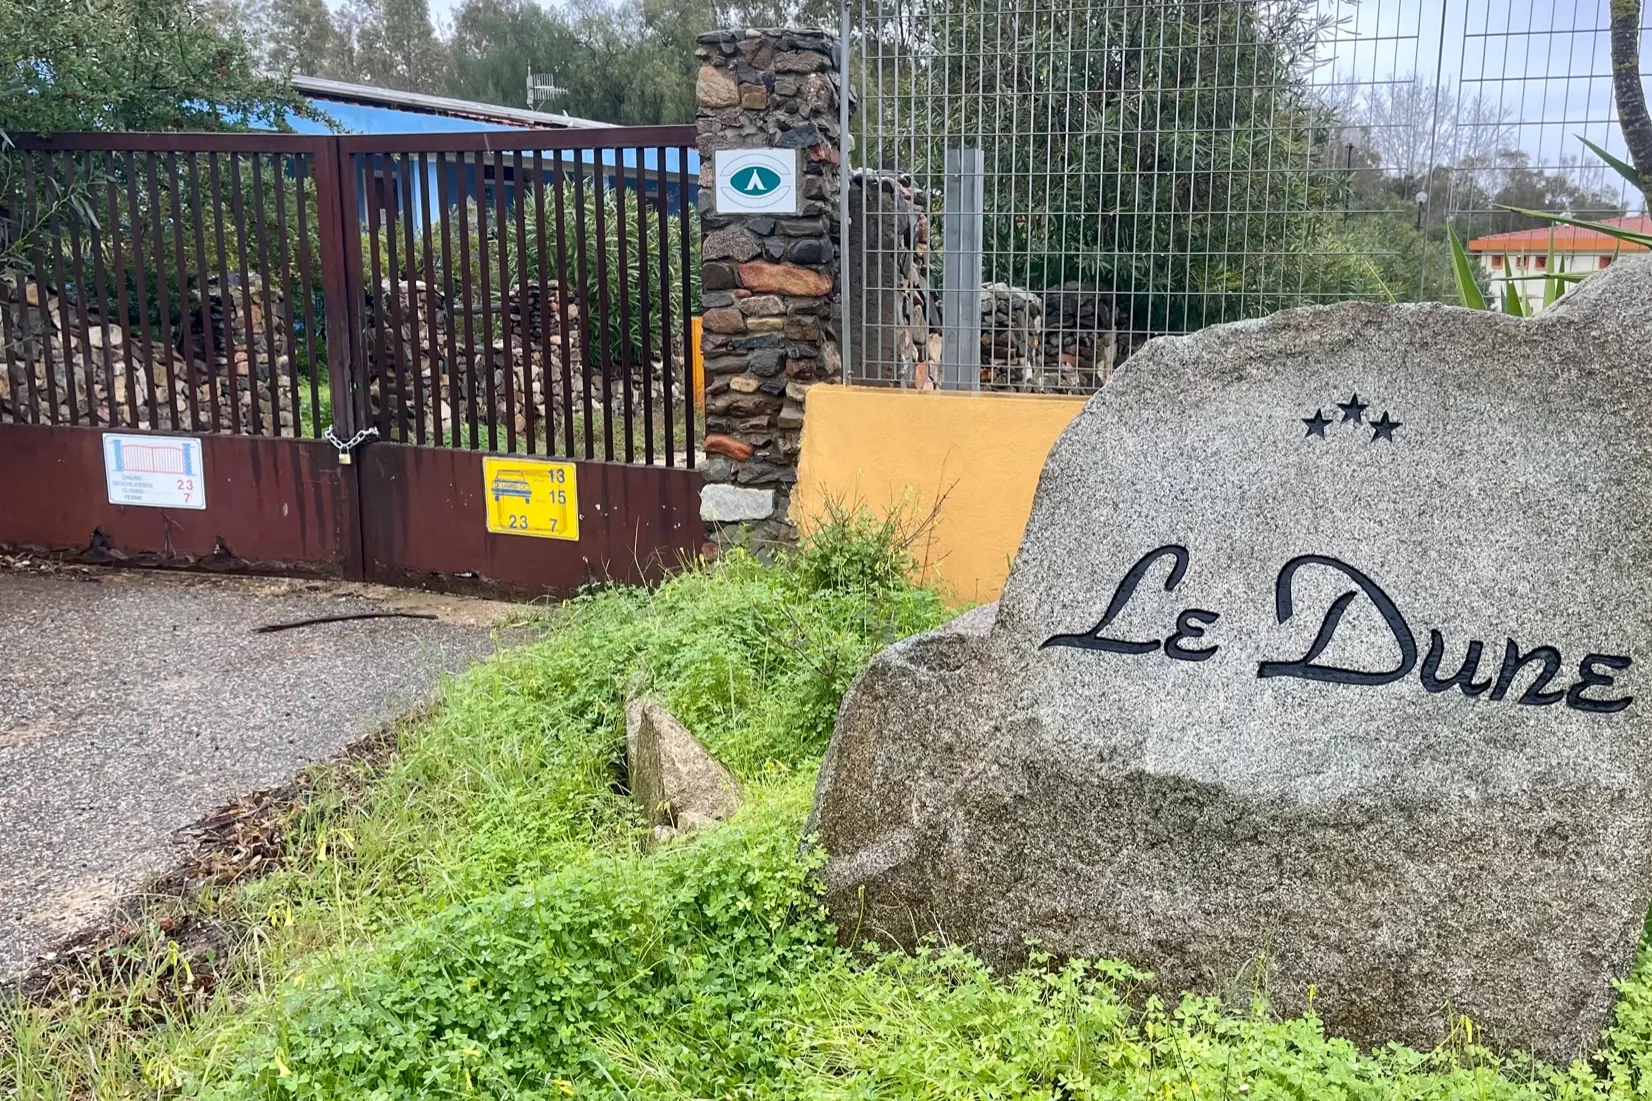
x=699, y=372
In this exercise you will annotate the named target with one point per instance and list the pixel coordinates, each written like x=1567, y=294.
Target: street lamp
x=1422, y=202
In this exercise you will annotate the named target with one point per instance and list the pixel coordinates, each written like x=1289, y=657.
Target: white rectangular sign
x=757, y=181
x=158, y=471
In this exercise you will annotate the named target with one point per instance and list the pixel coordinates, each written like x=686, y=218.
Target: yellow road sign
x=534, y=497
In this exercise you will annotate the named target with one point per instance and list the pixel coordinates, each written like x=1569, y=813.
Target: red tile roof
x=1566, y=238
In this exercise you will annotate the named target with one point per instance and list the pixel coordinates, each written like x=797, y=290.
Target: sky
x=1546, y=61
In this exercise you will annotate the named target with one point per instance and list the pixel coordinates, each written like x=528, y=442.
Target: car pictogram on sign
x=511, y=483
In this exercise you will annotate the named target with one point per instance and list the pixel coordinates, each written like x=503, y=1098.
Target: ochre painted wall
x=885, y=449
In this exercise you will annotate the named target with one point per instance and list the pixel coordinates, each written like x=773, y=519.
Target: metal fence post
x=961, y=233
x=844, y=91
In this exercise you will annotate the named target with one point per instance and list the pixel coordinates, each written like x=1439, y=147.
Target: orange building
x=1522, y=257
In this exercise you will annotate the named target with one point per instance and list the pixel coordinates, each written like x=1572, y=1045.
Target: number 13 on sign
x=534, y=497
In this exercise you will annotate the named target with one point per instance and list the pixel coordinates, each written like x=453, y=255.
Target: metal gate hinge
x=347, y=446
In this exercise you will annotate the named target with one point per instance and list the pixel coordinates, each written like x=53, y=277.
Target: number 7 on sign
x=154, y=471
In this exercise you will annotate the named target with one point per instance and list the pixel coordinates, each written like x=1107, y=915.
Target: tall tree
x=301, y=38
x=396, y=46
x=1630, y=93
x=1405, y=122
x=629, y=62
x=496, y=43
x=130, y=65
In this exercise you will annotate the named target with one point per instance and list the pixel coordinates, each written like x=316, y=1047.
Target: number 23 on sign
x=533, y=497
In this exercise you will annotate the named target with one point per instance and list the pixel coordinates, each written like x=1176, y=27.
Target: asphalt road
x=132, y=704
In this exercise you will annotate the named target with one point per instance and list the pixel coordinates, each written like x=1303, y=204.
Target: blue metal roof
x=360, y=118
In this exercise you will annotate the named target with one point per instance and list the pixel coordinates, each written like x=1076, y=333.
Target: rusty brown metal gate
x=351, y=326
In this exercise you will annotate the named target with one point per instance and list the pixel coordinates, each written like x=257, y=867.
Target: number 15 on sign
x=532, y=497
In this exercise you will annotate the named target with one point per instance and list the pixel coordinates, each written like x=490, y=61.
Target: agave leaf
x=1552, y=290
x=1513, y=304
x=1600, y=227
x=1622, y=168
x=1380, y=281
x=1467, y=289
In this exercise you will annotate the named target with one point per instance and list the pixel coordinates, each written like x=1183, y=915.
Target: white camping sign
x=757, y=181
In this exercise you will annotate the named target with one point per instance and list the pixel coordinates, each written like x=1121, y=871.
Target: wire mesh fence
x=1040, y=187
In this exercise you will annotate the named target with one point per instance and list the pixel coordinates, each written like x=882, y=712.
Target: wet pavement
x=131, y=704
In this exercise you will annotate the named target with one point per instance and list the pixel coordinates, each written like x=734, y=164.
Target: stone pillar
x=769, y=290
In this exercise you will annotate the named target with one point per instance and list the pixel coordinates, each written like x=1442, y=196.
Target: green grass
x=482, y=919
x=308, y=411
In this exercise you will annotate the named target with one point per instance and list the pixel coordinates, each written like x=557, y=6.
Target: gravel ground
x=132, y=704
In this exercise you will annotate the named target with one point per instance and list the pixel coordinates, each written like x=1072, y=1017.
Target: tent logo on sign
x=757, y=181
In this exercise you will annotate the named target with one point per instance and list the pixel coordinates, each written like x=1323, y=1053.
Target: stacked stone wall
x=769, y=287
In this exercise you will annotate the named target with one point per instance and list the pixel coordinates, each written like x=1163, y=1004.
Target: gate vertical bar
x=623, y=275
x=226, y=303
x=642, y=303
x=545, y=374
x=339, y=231
x=433, y=351
x=198, y=240
x=123, y=300
x=38, y=273
x=507, y=361
x=485, y=293
x=77, y=258
x=375, y=382
x=38, y=269
x=667, y=412
x=417, y=354
x=599, y=192
x=686, y=229
x=56, y=224
x=140, y=274
x=1428, y=170
x=289, y=326
x=19, y=376
x=525, y=325
x=302, y=173
x=584, y=296
x=261, y=227
x=567, y=385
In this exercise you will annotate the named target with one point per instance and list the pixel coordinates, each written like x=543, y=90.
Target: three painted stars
x=1353, y=410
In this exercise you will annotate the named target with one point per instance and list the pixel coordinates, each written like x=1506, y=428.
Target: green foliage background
x=1174, y=153
x=130, y=65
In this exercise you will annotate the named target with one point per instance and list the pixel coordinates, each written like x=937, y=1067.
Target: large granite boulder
x=1319, y=663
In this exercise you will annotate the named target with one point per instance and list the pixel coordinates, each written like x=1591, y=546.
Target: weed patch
x=476, y=915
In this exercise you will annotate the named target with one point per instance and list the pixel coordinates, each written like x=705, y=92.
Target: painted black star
x=1352, y=410
x=1316, y=424
x=1383, y=429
